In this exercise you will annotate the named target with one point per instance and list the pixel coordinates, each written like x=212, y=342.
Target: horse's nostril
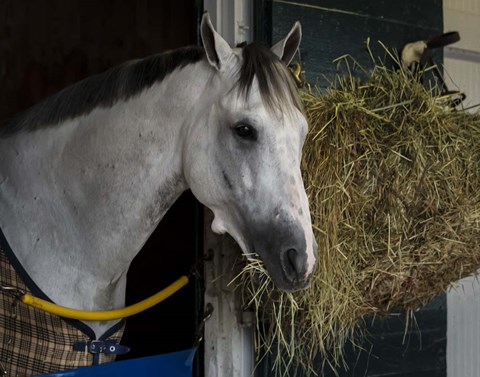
x=292, y=256
x=294, y=265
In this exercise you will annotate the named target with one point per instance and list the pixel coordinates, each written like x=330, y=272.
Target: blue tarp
x=176, y=364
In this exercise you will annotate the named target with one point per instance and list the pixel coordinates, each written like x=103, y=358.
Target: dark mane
x=275, y=81
x=102, y=90
x=124, y=81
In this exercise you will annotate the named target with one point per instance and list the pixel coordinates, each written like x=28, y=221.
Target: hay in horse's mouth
x=392, y=176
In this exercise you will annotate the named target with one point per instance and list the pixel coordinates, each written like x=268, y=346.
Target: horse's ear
x=287, y=47
x=216, y=48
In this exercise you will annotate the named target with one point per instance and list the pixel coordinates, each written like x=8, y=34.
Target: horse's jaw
x=219, y=226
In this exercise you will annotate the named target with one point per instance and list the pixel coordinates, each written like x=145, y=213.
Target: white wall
x=229, y=350
x=462, y=66
x=462, y=59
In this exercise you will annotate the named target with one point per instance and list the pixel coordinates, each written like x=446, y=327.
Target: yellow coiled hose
x=106, y=315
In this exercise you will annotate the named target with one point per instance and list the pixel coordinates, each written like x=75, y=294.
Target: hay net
x=392, y=176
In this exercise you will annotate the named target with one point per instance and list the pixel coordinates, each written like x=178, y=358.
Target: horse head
x=243, y=160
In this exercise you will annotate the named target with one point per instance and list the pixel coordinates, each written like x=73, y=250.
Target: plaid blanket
x=34, y=342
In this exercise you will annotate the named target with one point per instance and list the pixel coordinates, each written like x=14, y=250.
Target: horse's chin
x=218, y=226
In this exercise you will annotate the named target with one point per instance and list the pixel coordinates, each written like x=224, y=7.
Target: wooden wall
x=46, y=45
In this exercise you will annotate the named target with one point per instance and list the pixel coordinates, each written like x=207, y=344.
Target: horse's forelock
x=276, y=85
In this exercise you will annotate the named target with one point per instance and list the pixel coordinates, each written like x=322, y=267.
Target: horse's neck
x=78, y=201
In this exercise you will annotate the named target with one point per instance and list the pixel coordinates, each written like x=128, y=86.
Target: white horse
x=87, y=175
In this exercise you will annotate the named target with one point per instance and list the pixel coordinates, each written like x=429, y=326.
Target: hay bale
x=393, y=179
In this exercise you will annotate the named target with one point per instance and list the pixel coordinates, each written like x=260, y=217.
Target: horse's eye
x=246, y=131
